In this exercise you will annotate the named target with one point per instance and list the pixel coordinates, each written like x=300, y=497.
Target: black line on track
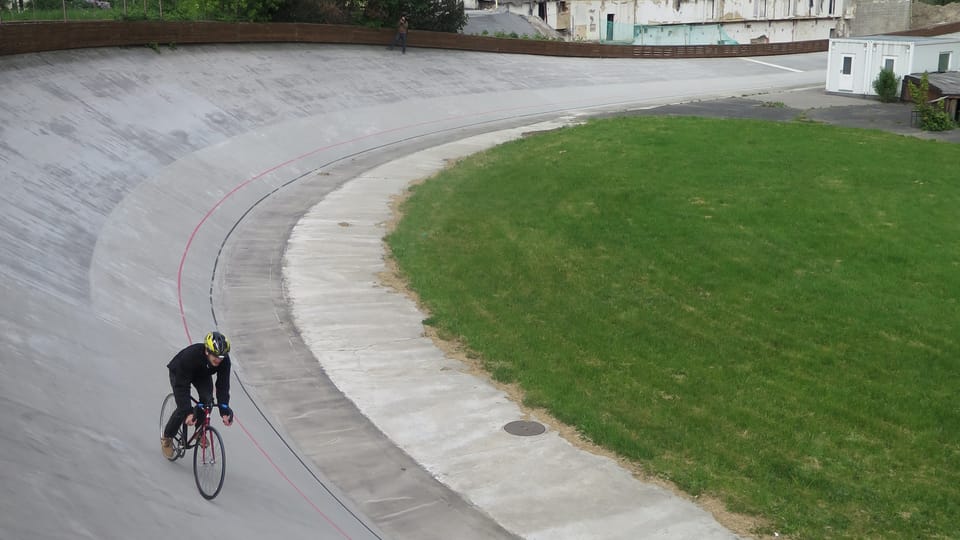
x=216, y=263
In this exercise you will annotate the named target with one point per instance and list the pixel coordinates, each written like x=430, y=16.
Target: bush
x=932, y=117
x=887, y=86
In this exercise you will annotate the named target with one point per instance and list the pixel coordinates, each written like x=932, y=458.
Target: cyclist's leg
x=183, y=407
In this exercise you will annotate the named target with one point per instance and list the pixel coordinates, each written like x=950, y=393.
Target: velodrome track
x=136, y=189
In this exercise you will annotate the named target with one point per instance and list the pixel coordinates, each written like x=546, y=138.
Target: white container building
x=854, y=63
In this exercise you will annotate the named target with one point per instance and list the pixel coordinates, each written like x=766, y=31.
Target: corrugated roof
x=948, y=82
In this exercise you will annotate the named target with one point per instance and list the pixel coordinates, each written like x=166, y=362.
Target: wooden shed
x=943, y=87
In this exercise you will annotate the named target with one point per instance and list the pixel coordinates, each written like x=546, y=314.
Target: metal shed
x=854, y=63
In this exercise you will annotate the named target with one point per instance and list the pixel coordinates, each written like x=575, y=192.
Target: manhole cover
x=524, y=428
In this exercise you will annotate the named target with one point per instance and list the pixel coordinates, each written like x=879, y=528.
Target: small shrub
x=887, y=85
x=932, y=117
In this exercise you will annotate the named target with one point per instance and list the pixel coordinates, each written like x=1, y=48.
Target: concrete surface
x=149, y=197
x=371, y=343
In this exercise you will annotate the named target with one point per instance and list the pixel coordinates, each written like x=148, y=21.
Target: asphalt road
x=148, y=197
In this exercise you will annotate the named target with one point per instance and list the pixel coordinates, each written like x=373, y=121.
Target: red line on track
x=186, y=249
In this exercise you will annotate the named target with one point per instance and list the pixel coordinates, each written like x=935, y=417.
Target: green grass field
x=762, y=312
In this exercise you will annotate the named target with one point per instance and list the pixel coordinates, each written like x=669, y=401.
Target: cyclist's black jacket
x=190, y=366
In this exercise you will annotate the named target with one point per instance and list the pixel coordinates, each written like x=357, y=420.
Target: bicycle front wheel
x=209, y=463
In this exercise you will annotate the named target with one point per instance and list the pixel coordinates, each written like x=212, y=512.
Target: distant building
x=708, y=22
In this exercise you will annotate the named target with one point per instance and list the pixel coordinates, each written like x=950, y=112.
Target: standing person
x=196, y=365
x=401, y=36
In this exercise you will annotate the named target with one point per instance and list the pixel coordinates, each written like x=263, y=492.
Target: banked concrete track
x=135, y=184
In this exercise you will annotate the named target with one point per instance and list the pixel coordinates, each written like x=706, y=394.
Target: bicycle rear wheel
x=166, y=411
x=209, y=463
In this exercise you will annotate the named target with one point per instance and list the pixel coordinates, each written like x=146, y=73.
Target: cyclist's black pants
x=181, y=392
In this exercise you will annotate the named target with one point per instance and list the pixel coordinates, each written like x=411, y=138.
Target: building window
x=847, y=65
x=888, y=64
x=944, y=63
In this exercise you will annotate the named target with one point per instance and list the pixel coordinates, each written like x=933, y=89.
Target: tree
x=435, y=15
x=313, y=11
x=230, y=10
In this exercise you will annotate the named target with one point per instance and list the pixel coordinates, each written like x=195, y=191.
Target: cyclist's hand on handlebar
x=196, y=416
x=226, y=414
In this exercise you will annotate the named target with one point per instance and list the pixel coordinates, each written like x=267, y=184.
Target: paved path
x=149, y=197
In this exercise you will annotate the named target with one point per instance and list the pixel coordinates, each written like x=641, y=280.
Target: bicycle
x=209, y=460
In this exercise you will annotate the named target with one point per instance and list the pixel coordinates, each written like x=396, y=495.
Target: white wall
x=741, y=20
x=838, y=49
x=552, y=9
x=624, y=13
x=698, y=11
x=926, y=56
x=878, y=52
x=781, y=31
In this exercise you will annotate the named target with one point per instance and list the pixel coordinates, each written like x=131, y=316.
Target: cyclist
x=196, y=365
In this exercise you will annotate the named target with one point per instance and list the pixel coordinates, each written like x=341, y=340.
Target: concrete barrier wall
x=19, y=38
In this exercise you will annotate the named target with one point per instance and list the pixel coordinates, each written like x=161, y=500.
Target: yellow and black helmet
x=217, y=343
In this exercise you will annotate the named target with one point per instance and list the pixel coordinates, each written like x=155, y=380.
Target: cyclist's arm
x=223, y=382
